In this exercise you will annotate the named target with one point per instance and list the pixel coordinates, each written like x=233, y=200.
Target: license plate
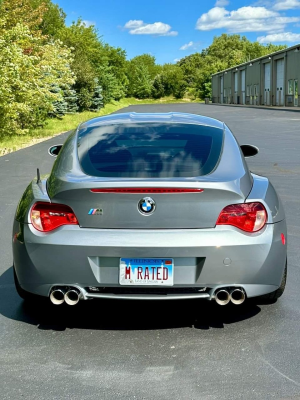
x=146, y=271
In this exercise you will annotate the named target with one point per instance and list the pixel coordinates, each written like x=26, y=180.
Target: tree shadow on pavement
x=118, y=314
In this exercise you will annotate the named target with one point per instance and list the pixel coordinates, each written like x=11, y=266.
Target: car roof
x=171, y=117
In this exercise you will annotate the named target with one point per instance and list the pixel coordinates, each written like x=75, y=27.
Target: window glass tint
x=149, y=150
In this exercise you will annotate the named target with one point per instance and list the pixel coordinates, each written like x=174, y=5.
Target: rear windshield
x=149, y=150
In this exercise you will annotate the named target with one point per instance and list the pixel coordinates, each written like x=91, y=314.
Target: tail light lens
x=249, y=217
x=46, y=217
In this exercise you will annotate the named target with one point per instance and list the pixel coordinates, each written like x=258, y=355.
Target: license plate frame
x=146, y=272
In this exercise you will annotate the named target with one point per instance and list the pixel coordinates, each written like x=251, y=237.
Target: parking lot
x=157, y=350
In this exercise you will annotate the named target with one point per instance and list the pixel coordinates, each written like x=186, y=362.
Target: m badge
x=96, y=211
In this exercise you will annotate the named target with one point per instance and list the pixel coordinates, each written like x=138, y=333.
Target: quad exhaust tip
x=236, y=296
x=222, y=297
x=70, y=295
x=57, y=296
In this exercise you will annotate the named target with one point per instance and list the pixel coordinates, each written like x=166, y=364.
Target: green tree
x=147, y=61
x=141, y=85
x=112, y=72
x=87, y=51
x=95, y=61
x=158, y=89
x=97, y=100
x=29, y=69
x=112, y=89
x=145, y=65
x=60, y=106
x=71, y=98
x=190, y=66
x=173, y=80
x=232, y=50
x=179, y=89
x=15, y=12
x=53, y=17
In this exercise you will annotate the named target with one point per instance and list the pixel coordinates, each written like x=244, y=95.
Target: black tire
x=21, y=292
x=272, y=297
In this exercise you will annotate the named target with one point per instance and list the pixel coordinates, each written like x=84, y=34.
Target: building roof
x=296, y=46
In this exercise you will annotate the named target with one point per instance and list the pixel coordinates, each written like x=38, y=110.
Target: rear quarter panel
x=33, y=193
x=264, y=192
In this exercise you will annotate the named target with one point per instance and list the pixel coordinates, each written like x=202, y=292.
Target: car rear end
x=149, y=211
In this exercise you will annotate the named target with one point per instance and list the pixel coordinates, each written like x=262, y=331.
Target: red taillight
x=250, y=217
x=46, y=217
x=146, y=190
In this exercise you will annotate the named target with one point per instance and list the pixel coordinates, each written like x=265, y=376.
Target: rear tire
x=27, y=296
x=272, y=297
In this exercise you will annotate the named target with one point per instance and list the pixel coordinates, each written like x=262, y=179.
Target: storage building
x=270, y=80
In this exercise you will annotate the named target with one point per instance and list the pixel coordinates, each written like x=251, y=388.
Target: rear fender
x=264, y=192
x=34, y=192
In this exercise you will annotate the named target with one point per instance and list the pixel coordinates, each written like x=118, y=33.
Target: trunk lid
x=173, y=210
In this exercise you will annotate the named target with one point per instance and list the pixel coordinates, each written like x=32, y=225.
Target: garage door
x=280, y=82
x=267, y=84
x=243, y=82
x=222, y=88
x=236, y=88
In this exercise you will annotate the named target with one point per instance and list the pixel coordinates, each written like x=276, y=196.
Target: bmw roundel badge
x=146, y=206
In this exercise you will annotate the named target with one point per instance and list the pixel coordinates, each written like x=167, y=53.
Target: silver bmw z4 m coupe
x=150, y=207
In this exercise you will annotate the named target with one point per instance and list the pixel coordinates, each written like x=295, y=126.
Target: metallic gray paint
x=264, y=192
x=204, y=254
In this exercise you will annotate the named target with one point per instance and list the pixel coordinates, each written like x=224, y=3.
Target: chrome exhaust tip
x=222, y=297
x=72, y=296
x=238, y=296
x=57, y=296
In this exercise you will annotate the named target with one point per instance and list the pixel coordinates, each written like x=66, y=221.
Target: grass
x=56, y=126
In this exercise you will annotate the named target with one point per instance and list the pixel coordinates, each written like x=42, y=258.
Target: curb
x=270, y=108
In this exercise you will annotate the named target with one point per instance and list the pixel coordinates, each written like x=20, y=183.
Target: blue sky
x=172, y=29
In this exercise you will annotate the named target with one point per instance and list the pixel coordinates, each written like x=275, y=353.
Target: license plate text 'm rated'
x=146, y=271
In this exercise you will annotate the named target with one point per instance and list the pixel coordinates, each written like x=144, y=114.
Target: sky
x=172, y=29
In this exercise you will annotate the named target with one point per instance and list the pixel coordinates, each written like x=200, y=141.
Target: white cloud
x=88, y=23
x=133, y=24
x=172, y=33
x=221, y=3
x=176, y=60
x=244, y=19
x=286, y=4
x=190, y=45
x=138, y=27
x=280, y=38
x=186, y=46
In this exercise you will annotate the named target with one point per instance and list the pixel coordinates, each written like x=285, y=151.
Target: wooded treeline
x=48, y=69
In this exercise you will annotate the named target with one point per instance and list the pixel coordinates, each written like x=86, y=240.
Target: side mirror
x=54, y=150
x=249, y=150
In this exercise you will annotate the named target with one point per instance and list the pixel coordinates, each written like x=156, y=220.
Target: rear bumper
x=210, y=258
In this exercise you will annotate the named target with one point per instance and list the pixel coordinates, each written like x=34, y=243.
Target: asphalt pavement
x=149, y=350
